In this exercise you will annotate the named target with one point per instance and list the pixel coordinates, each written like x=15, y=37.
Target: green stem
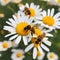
x=11, y=9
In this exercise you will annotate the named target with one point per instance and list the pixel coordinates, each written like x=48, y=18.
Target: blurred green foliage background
x=8, y=14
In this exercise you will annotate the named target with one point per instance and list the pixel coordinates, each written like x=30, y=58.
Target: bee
x=40, y=38
x=27, y=11
x=28, y=27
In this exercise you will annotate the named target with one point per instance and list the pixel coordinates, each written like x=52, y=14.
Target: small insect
x=27, y=11
x=30, y=28
x=40, y=38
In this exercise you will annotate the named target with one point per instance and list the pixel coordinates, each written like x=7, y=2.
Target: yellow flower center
x=32, y=11
x=5, y=1
x=38, y=53
x=51, y=55
x=38, y=32
x=18, y=55
x=58, y=1
x=48, y=20
x=5, y=45
x=20, y=29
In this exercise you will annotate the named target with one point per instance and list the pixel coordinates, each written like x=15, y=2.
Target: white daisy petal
x=34, y=53
x=47, y=42
x=44, y=13
x=9, y=28
x=52, y=12
x=10, y=34
x=25, y=40
x=29, y=47
x=27, y=5
x=37, y=22
x=9, y=23
x=32, y=4
x=18, y=39
x=58, y=27
x=12, y=21
x=57, y=15
x=13, y=37
x=48, y=14
x=15, y=18
x=48, y=34
x=44, y=47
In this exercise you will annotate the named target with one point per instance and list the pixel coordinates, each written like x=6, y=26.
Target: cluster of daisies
x=53, y=2
x=5, y=2
x=32, y=25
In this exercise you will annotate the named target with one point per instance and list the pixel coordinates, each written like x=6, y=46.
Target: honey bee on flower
x=17, y=27
x=37, y=41
x=33, y=10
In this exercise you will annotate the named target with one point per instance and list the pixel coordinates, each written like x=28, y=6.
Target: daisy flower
x=52, y=56
x=17, y=54
x=49, y=20
x=38, y=45
x=1, y=15
x=40, y=55
x=16, y=1
x=4, y=2
x=33, y=10
x=5, y=45
x=17, y=28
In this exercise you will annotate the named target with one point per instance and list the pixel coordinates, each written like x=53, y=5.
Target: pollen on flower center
x=18, y=54
x=51, y=55
x=20, y=29
x=5, y=45
x=32, y=11
x=48, y=20
x=38, y=32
